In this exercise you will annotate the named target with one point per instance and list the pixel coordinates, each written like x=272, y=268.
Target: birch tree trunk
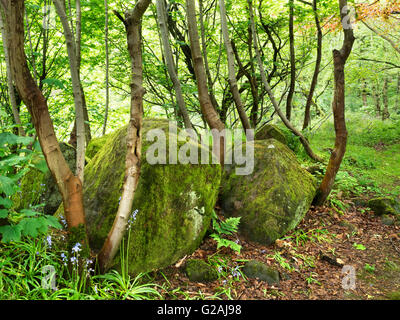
x=207, y=109
x=76, y=88
x=10, y=86
x=314, y=81
x=107, y=67
x=169, y=60
x=377, y=98
x=231, y=69
x=385, y=113
x=132, y=22
x=267, y=87
x=69, y=185
x=292, y=85
x=205, y=59
x=338, y=108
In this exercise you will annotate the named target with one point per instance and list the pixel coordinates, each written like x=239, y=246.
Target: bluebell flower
x=48, y=239
x=77, y=247
x=132, y=218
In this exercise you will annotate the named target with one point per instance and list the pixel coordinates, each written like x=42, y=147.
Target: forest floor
x=310, y=262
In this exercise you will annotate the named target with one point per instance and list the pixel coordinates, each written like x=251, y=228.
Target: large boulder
x=173, y=202
x=274, y=198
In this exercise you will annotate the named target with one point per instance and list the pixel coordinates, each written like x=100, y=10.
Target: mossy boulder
x=270, y=131
x=274, y=198
x=95, y=145
x=174, y=202
x=257, y=270
x=385, y=206
x=199, y=271
x=38, y=187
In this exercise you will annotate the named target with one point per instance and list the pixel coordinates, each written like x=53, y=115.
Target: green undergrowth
x=43, y=269
x=371, y=163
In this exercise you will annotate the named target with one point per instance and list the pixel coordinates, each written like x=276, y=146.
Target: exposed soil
x=356, y=238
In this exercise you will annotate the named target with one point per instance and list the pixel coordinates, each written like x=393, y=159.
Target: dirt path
x=310, y=261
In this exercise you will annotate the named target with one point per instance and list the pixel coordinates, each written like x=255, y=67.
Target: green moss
x=174, y=202
x=199, y=271
x=38, y=187
x=269, y=131
x=274, y=198
x=95, y=145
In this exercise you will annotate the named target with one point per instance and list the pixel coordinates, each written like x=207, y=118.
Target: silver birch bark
x=76, y=88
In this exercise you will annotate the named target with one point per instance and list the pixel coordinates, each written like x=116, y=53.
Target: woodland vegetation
x=314, y=87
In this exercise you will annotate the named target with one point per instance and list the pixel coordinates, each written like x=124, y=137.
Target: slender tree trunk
x=107, y=68
x=385, y=113
x=338, y=107
x=314, y=81
x=231, y=69
x=33, y=58
x=289, y=100
x=69, y=185
x=377, y=98
x=169, y=60
x=132, y=22
x=364, y=93
x=204, y=50
x=397, y=108
x=207, y=108
x=267, y=87
x=76, y=88
x=10, y=86
x=253, y=80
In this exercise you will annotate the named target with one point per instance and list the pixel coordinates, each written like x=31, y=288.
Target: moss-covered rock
x=270, y=131
x=199, y=271
x=257, y=270
x=38, y=187
x=95, y=145
x=385, y=206
x=274, y=198
x=174, y=202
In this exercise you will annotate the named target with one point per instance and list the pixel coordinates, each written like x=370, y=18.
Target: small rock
x=384, y=205
x=199, y=271
x=349, y=226
x=387, y=220
x=257, y=270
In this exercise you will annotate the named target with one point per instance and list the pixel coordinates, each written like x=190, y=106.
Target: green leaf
x=10, y=233
x=359, y=246
x=54, y=83
x=42, y=166
x=12, y=139
x=6, y=203
x=53, y=222
x=29, y=226
x=7, y=185
x=29, y=213
x=3, y=213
